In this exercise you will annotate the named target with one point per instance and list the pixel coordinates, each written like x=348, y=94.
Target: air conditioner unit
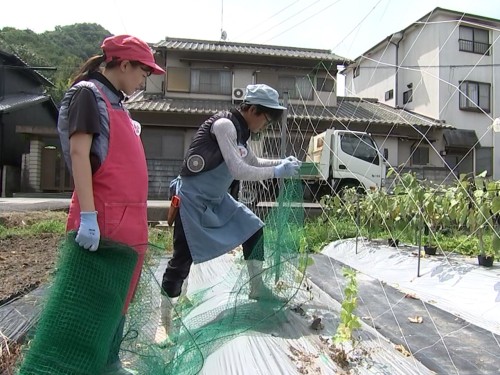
x=238, y=94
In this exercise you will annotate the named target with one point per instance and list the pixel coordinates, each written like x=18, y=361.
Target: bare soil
x=26, y=260
x=25, y=263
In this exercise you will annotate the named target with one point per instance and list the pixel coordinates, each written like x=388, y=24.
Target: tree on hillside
x=65, y=48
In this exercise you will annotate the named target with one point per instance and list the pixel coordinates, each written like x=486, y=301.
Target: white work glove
x=292, y=159
x=287, y=169
x=88, y=234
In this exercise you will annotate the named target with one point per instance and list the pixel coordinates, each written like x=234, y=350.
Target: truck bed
x=309, y=170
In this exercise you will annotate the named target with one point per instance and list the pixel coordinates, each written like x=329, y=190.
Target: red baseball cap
x=127, y=47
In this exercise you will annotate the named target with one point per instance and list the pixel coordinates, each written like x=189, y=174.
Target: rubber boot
x=167, y=309
x=258, y=290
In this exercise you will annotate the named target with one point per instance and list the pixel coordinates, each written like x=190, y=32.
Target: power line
x=321, y=10
x=286, y=19
x=267, y=19
x=358, y=24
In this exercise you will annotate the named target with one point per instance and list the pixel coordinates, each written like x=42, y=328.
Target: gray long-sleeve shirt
x=242, y=167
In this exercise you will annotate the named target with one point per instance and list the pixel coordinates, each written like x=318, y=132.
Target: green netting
x=82, y=312
x=198, y=330
x=85, y=303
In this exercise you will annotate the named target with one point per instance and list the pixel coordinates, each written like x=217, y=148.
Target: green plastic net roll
x=82, y=311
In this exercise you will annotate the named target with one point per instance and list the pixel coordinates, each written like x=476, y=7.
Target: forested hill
x=65, y=48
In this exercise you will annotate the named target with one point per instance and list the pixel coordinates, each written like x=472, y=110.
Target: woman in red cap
x=103, y=150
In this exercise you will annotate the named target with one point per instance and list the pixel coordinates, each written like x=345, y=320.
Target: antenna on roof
x=223, y=34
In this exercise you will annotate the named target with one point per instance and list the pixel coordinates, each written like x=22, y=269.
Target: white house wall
x=404, y=151
x=376, y=76
x=433, y=67
x=475, y=67
x=418, y=57
x=391, y=144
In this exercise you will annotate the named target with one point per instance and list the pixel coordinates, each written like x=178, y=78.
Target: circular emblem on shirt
x=243, y=151
x=195, y=163
x=137, y=127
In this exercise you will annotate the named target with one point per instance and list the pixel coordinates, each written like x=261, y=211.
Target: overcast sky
x=346, y=27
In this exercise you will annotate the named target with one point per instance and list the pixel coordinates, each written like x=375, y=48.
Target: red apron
x=120, y=189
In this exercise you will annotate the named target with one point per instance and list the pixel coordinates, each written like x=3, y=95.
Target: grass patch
x=48, y=226
x=160, y=239
x=32, y=223
x=26, y=224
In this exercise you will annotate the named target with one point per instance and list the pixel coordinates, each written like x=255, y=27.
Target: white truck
x=340, y=159
x=335, y=160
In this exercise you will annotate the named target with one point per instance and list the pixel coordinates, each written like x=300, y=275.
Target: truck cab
x=335, y=160
x=340, y=159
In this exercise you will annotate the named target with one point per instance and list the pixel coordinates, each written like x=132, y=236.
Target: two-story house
x=28, y=136
x=444, y=66
x=203, y=77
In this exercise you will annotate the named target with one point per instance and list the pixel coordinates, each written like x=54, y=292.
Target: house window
x=325, y=84
x=420, y=155
x=408, y=96
x=297, y=87
x=389, y=95
x=216, y=82
x=474, y=96
x=474, y=40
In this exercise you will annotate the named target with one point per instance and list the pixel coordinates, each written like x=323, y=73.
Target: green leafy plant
x=348, y=321
x=369, y=207
x=484, y=207
x=432, y=211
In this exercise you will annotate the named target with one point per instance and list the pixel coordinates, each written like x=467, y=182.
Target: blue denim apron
x=214, y=223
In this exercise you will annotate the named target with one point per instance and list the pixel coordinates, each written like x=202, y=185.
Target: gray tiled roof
x=194, y=45
x=11, y=60
x=351, y=109
x=347, y=110
x=19, y=101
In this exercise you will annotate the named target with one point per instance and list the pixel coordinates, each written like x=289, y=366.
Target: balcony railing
x=474, y=47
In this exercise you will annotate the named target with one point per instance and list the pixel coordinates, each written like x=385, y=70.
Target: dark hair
x=274, y=114
x=93, y=64
x=90, y=66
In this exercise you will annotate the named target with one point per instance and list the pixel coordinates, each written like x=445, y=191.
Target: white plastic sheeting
x=292, y=347
x=454, y=283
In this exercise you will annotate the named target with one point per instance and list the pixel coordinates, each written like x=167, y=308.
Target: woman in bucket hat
x=210, y=222
x=103, y=150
